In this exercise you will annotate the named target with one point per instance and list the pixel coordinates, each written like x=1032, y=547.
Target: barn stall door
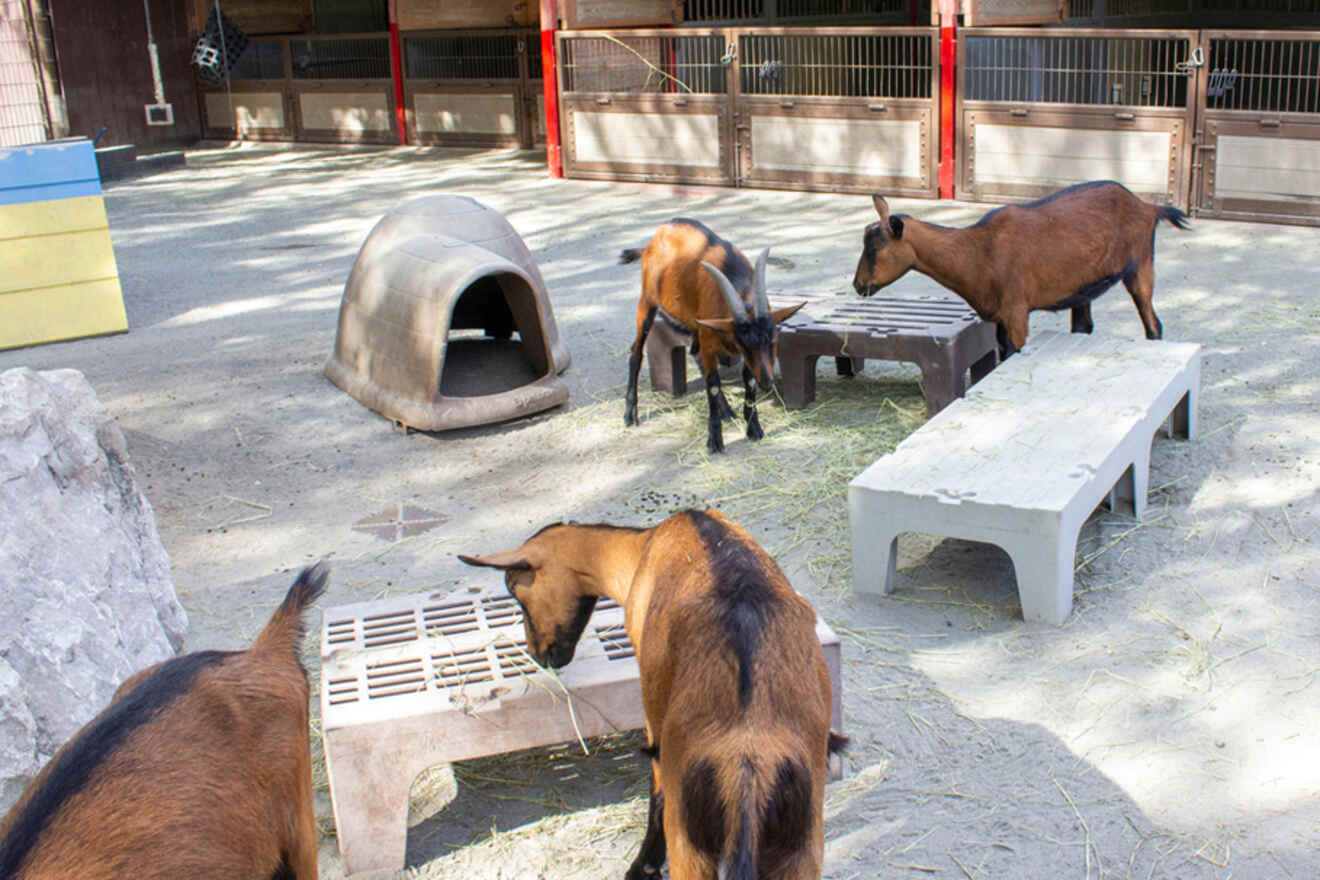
x=845, y=110
x=646, y=105
x=477, y=88
x=1043, y=109
x=255, y=104
x=342, y=89
x=1258, y=144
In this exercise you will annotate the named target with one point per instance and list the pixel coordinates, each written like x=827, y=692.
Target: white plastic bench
x=414, y=681
x=1024, y=458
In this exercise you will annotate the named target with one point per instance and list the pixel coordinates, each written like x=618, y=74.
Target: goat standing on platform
x=735, y=685
x=1059, y=252
x=698, y=281
x=200, y=767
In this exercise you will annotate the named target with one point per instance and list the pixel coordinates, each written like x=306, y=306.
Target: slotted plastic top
x=927, y=315
x=423, y=653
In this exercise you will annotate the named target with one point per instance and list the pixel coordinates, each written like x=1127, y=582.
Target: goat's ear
x=881, y=207
x=507, y=560
x=719, y=325
x=782, y=315
x=896, y=227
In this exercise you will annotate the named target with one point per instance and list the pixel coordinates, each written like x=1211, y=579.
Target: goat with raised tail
x=200, y=767
x=1059, y=252
x=698, y=281
x=735, y=686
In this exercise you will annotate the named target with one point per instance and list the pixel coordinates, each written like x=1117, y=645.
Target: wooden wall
x=106, y=71
x=257, y=17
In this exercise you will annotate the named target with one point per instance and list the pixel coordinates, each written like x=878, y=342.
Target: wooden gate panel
x=1013, y=156
x=837, y=146
x=646, y=105
x=345, y=111
x=1045, y=108
x=838, y=109
x=470, y=88
x=246, y=112
x=647, y=139
x=1258, y=150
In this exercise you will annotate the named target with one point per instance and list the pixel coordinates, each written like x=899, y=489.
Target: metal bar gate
x=831, y=109
x=1258, y=138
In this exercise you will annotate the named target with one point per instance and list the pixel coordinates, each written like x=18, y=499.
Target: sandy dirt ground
x=1170, y=728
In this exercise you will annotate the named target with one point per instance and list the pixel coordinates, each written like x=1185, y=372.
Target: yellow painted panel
x=59, y=215
x=30, y=317
x=50, y=260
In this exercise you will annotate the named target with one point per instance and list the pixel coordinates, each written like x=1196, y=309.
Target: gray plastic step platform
x=1024, y=458
x=941, y=335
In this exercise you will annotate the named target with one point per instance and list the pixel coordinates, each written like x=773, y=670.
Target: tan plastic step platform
x=941, y=335
x=414, y=681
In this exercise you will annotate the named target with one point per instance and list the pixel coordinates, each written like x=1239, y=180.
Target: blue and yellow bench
x=58, y=278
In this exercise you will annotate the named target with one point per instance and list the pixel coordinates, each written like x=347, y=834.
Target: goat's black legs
x=754, y=431
x=715, y=397
x=1081, y=319
x=651, y=858
x=1005, y=347
x=644, y=322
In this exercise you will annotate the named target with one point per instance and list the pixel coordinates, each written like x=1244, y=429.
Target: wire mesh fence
x=650, y=64
x=1142, y=71
x=22, y=117
x=862, y=65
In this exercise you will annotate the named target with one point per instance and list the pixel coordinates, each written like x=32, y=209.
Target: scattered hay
x=789, y=489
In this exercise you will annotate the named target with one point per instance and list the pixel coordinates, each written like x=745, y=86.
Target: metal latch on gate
x=1196, y=60
x=730, y=53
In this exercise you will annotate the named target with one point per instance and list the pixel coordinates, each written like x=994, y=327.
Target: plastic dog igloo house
x=432, y=266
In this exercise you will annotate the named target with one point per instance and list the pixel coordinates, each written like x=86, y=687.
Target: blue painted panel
x=42, y=172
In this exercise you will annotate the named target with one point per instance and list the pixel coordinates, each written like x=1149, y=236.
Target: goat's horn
x=762, y=298
x=736, y=307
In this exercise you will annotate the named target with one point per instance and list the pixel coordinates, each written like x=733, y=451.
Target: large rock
x=86, y=597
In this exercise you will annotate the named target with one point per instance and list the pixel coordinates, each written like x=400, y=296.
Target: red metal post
x=550, y=83
x=948, y=60
x=396, y=69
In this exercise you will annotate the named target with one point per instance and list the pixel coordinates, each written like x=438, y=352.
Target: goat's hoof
x=754, y=431
x=639, y=871
x=629, y=419
x=714, y=445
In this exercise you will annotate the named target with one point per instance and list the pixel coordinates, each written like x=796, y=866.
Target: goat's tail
x=284, y=632
x=775, y=821
x=1173, y=215
x=630, y=255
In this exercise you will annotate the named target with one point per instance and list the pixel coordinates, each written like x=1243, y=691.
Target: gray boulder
x=86, y=597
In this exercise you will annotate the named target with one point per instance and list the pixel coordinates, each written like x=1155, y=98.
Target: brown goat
x=698, y=281
x=199, y=768
x=734, y=685
x=1060, y=252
